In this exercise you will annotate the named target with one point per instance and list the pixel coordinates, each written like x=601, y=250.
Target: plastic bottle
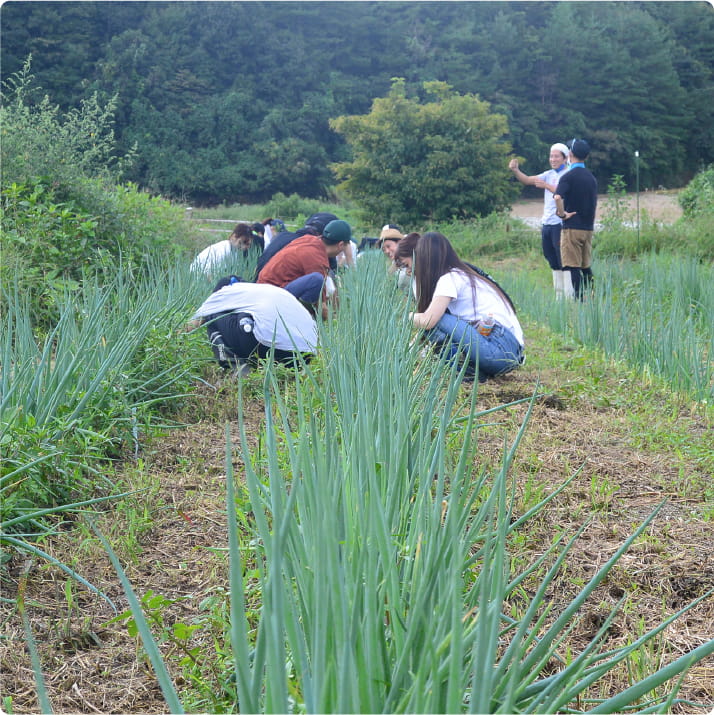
x=486, y=326
x=246, y=324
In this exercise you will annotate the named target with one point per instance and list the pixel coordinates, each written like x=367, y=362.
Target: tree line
x=233, y=101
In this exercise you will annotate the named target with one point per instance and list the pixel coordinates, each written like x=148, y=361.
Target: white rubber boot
x=568, y=290
x=558, y=285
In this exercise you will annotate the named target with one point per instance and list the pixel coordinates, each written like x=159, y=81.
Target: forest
x=222, y=102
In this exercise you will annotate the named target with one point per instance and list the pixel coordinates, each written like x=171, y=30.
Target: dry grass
x=95, y=667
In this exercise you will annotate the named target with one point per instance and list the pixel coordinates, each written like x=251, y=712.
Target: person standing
x=551, y=224
x=576, y=202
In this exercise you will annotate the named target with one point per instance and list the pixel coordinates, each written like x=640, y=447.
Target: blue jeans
x=307, y=288
x=493, y=354
x=550, y=240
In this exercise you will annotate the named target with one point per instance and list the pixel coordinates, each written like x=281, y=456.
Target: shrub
x=292, y=206
x=417, y=162
x=37, y=140
x=698, y=196
x=63, y=213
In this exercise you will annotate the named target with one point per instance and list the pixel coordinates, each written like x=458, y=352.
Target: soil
x=661, y=206
x=93, y=666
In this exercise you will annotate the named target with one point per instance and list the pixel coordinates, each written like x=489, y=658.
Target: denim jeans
x=307, y=288
x=493, y=354
x=550, y=241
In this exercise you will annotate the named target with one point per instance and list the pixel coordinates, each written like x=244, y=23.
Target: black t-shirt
x=578, y=187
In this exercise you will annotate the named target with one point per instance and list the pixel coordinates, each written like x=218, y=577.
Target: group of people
x=460, y=309
x=273, y=313
x=570, y=202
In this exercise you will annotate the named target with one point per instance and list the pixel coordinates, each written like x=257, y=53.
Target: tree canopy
x=231, y=101
x=437, y=160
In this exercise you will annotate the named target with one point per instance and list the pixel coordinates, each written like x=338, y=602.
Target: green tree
x=417, y=162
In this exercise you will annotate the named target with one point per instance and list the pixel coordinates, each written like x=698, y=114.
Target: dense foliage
x=697, y=198
x=433, y=161
x=64, y=213
x=89, y=392
x=231, y=101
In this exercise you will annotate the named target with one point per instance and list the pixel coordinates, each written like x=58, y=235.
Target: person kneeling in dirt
x=246, y=321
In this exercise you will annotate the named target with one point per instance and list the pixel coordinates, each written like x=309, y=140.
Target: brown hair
x=406, y=246
x=434, y=256
x=243, y=230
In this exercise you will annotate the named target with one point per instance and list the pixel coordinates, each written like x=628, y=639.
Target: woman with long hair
x=464, y=310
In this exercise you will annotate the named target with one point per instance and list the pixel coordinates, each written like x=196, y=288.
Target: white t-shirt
x=280, y=318
x=267, y=236
x=211, y=256
x=476, y=300
x=549, y=216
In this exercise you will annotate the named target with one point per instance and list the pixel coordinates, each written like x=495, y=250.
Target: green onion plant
x=381, y=545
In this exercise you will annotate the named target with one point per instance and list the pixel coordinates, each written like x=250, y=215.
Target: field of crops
x=371, y=533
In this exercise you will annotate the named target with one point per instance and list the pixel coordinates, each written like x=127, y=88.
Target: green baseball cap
x=337, y=231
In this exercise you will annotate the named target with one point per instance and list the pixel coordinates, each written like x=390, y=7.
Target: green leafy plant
x=616, y=212
x=414, y=163
x=380, y=550
x=697, y=197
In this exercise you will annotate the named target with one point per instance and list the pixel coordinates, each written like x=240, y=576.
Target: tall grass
x=655, y=313
x=381, y=545
x=69, y=400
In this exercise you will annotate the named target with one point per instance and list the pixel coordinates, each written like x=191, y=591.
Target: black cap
x=318, y=221
x=580, y=148
x=228, y=280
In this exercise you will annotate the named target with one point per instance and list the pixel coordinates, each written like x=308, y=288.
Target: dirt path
x=175, y=546
x=657, y=205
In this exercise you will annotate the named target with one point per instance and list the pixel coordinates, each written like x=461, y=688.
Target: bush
x=698, y=197
x=63, y=212
x=54, y=236
x=37, y=140
x=415, y=162
x=290, y=207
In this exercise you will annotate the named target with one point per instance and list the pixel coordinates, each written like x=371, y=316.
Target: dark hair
x=228, y=280
x=242, y=230
x=405, y=247
x=367, y=243
x=434, y=256
x=318, y=221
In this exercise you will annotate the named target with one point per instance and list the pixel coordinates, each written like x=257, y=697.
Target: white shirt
x=211, y=256
x=551, y=177
x=280, y=318
x=476, y=300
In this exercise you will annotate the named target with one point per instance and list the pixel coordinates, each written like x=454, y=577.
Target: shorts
x=576, y=248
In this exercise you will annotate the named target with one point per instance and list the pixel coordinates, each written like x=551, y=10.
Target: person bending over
x=242, y=238
x=302, y=267
x=246, y=321
x=465, y=313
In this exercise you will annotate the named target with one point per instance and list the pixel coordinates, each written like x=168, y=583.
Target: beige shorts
x=576, y=248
